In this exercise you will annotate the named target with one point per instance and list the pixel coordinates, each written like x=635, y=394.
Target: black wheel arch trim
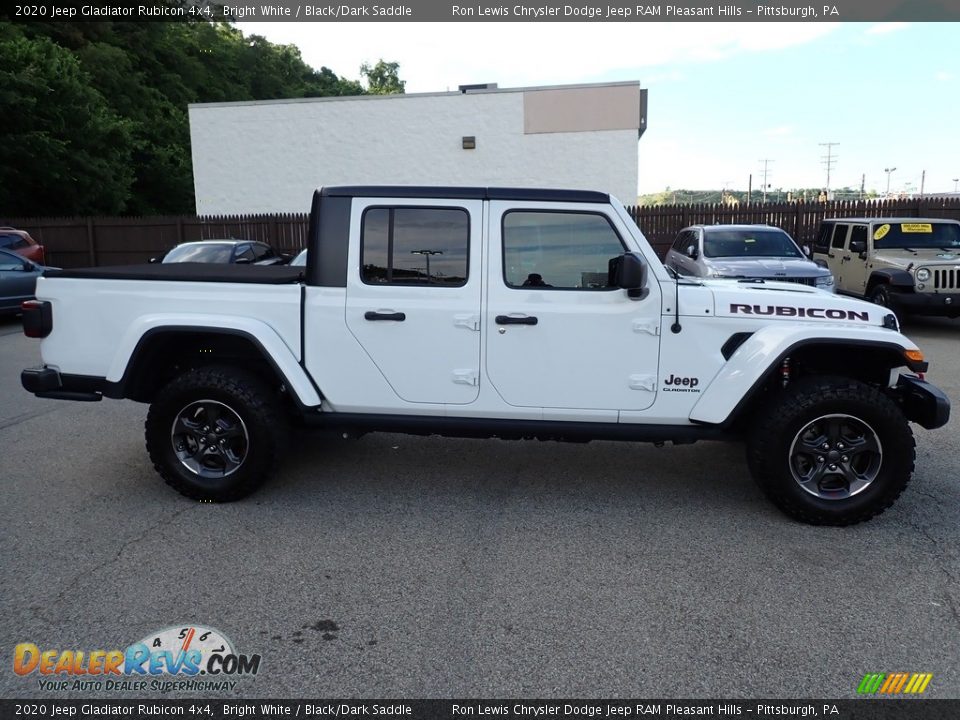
x=123, y=386
x=748, y=396
x=893, y=277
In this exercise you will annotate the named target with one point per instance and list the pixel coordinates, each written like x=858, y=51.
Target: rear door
x=854, y=267
x=557, y=334
x=836, y=252
x=413, y=294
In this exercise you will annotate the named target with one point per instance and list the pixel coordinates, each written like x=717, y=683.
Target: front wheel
x=880, y=295
x=214, y=433
x=831, y=451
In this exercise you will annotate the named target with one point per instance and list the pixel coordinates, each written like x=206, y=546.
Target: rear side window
x=822, y=243
x=562, y=250
x=415, y=246
x=839, y=236
x=13, y=242
x=262, y=252
x=245, y=252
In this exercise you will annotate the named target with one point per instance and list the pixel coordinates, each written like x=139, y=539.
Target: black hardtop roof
x=466, y=193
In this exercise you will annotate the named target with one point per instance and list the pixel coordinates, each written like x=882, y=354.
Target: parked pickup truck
x=490, y=312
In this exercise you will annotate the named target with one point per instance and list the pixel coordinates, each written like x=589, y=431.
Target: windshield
x=749, y=243
x=200, y=253
x=916, y=235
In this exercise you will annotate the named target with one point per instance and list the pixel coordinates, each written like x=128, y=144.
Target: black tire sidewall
x=246, y=397
x=880, y=295
x=771, y=459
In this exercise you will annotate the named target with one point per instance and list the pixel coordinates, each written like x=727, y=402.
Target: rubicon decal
x=789, y=311
x=185, y=651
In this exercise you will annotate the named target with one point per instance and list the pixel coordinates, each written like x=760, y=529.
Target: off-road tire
x=778, y=426
x=243, y=394
x=880, y=295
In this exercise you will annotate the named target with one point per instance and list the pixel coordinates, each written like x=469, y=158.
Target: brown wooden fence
x=84, y=241
x=660, y=224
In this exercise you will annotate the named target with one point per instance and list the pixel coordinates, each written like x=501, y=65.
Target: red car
x=20, y=242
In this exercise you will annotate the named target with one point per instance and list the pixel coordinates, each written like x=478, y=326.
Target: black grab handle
x=508, y=320
x=371, y=315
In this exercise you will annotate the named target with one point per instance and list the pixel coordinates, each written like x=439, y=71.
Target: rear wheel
x=214, y=433
x=831, y=451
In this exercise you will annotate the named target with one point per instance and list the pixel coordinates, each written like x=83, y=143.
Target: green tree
x=63, y=149
x=383, y=78
x=100, y=121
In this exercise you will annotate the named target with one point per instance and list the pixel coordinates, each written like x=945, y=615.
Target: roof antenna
x=676, y=327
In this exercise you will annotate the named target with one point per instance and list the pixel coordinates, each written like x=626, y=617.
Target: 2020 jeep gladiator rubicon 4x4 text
x=490, y=312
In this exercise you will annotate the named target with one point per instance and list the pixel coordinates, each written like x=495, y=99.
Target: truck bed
x=190, y=272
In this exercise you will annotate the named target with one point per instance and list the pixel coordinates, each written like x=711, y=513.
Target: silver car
x=745, y=252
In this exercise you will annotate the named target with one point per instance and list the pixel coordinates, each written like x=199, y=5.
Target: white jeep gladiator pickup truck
x=489, y=312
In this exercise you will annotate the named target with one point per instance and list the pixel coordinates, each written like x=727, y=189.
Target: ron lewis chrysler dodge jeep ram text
x=490, y=312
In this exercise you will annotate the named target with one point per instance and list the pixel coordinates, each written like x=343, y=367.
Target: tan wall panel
x=581, y=109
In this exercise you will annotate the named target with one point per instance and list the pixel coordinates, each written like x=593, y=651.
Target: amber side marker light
x=916, y=361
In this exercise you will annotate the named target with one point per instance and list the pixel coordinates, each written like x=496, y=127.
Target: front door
x=413, y=294
x=557, y=334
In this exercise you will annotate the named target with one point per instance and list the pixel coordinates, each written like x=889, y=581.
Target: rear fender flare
x=275, y=351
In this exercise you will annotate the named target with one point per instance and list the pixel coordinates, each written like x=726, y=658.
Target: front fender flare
x=761, y=354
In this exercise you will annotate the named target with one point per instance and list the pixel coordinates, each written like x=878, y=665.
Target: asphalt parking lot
x=423, y=567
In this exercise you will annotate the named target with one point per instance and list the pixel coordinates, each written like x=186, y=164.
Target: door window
x=415, y=246
x=560, y=250
x=858, y=234
x=839, y=236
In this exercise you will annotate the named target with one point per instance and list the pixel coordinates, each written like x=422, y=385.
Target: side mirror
x=858, y=246
x=807, y=251
x=629, y=271
x=692, y=252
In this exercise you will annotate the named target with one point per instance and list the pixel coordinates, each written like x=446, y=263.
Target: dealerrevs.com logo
x=184, y=657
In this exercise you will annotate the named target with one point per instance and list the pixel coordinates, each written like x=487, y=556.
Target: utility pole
x=427, y=254
x=888, y=171
x=863, y=182
x=829, y=160
x=766, y=164
x=923, y=180
x=955, y=181
x=749, y=188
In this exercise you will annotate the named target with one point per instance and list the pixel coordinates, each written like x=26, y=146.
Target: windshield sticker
x=881, y=231
x=916, y=227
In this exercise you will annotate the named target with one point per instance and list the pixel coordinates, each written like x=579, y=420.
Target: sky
x=723, y=97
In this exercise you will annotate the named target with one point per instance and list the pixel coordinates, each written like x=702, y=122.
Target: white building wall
x=270, y=156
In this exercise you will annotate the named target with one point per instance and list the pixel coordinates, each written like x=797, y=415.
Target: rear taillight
x=37, y=318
